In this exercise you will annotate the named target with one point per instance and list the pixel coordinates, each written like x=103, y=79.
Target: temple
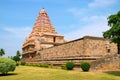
x=45, y=46
x=42, y=36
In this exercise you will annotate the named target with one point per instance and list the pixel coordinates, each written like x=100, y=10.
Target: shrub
x=85, y=66
x=7, y=65
x=63, y=66
x=17, y=64
x=51, y=66
x=23, y=63
x=70, y=65
x=44, y=65
x=39, y=65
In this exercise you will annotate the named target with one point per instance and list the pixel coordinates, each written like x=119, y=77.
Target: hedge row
x=37, y=65
x=85, y=66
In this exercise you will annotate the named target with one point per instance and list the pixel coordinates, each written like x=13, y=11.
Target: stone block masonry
x=87, y=49
x=86, y=46
x=45, y=45
x=43, y=35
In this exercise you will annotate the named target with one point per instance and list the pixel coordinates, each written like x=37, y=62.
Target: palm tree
x=2, y=52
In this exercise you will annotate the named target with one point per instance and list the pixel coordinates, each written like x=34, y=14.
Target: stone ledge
x=75, y=58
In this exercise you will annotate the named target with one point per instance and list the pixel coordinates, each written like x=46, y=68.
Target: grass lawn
x=36, y=73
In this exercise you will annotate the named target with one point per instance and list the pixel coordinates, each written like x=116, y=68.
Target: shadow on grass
x=115, y=73
x=9, y=74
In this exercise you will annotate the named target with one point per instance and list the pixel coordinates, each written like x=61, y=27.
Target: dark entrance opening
x=54, y=39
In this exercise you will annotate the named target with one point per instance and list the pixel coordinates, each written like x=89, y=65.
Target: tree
x=17, y=57
x=18, y=53
x=2, y=52
x=114, y=32
x=7, y=65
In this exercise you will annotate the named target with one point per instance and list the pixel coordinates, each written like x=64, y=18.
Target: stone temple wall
x=95, y=46
x=70, y=49
x=84, y=49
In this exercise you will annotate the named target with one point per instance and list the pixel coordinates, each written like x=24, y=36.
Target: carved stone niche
x=107, y=46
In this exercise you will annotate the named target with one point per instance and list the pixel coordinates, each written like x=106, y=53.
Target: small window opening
x=108, y=50
x=53, y=39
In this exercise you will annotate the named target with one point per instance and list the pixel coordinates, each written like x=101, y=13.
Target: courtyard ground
x=37, y=73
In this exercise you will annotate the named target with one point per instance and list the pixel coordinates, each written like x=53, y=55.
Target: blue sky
x=73, y=18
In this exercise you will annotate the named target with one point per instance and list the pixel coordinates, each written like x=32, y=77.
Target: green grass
x=36, y=73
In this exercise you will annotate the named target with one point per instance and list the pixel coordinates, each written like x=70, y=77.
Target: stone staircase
x=108, y=62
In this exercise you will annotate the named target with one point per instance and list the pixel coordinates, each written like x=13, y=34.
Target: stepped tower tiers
x=42, y=36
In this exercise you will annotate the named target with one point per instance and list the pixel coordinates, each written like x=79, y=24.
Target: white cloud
x=12, y=38
x=18, y=32
x=101, y=3
x=94, y=25
x=85, y=16
x=94, y=18
x=94, y=29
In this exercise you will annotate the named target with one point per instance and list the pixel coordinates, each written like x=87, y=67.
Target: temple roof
x=44, y=22
x=42, y=25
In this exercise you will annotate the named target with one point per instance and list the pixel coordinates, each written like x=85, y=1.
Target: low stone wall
x=72, y=49
x=109, y=62
x=86, y=49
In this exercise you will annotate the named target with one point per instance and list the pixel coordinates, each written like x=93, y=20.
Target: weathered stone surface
x=109, y=62
x=42, y=36
x=85, y=49
x=45, y=45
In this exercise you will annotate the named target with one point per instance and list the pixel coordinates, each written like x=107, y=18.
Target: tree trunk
x=118, y=46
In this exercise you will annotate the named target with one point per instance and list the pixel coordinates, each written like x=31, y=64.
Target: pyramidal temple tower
x=43, y=35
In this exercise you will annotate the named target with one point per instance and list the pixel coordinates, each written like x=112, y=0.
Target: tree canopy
x=17, y=57
x=2, y=52
x=114, y=32
x=18, y=53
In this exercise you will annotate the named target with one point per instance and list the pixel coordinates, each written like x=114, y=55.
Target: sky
x=72, y=18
